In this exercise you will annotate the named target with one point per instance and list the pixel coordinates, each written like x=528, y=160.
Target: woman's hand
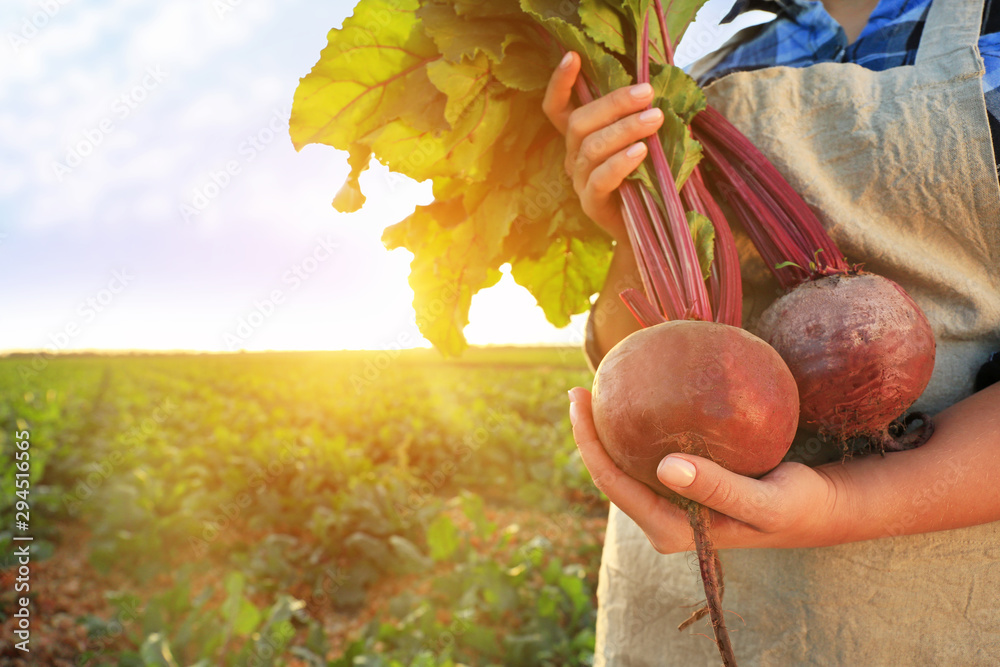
x=792, y=506
x=603, y=140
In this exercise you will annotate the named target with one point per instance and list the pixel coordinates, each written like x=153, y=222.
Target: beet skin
x=859, y=347
x=695, y=387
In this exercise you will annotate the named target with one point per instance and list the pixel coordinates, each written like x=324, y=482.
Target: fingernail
x=641, y=90
x=675, y=471
x=650, y=115
x=566, y=60
x=573, y=409
x=635, y=150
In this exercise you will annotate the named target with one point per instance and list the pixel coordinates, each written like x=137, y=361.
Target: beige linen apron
x=900, y=167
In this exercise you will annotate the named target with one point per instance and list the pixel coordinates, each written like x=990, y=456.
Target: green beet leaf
x=674, y=89
x=565, y=277
x=680, y=15
x=371, y=73
x=451, y=91
x=631, y=19
x=461, y=37
x=683, y=152
x=451, y=264
x=350, y=198
x=461, y=82
x=600, y=66
x=519, y=68
x=703, y=234
x=604, y=22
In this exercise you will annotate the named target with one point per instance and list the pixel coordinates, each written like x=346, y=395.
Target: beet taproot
x=701, y=388
x=860, y=349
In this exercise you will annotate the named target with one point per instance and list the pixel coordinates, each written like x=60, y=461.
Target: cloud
x=230, y=77
x=188, y=33
x=12, y=179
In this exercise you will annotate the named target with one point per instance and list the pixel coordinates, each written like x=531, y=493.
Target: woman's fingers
x=754, y=502
x=557, y=103
x=603, y=140
x=601, y=144
x=690, y=476
x=793, y=505
x=746, y=511
x=606, y=475
x=610, y=154
x=607, y=177
x=610, y=143
x=604, y=112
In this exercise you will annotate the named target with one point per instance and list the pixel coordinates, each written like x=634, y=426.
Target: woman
x=879, y=560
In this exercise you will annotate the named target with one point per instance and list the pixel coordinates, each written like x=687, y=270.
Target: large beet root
x=860, y=349
x=695, y=387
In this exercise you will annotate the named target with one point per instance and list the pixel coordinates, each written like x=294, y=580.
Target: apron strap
x=950, y=25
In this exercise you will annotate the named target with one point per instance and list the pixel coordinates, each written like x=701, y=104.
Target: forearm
x=612, y=321
x=951, y=481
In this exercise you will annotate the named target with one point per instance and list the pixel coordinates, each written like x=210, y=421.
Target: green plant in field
x=57, y=405
x=174, y=629
x=514, y=603
x=279, y=477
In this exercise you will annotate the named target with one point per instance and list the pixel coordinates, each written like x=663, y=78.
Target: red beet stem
x=726, y=267
x=645, y=232
x=672, y=277
x=725, y=284
x=791, y=220
x=661, y=239
x=771, y=240
x=692, y=200
x=692, y=282
x=662, y=20
x=660, y=287
x=641, y=309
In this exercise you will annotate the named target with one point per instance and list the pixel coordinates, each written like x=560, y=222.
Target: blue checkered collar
x=790, y=8
x=801, y=30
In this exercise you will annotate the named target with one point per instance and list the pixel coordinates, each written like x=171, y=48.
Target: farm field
x=316, y=509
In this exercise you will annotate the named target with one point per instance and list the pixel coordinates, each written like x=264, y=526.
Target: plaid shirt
x=803, y=34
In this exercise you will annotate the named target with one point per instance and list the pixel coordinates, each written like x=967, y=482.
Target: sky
x=150, y=197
